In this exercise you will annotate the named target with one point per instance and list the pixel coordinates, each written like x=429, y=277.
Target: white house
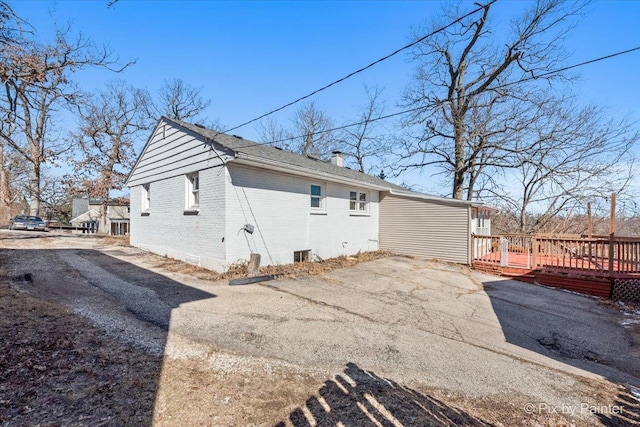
x=86, y=214
x=212, y=199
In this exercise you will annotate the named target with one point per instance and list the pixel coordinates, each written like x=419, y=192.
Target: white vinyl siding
x=423, y=228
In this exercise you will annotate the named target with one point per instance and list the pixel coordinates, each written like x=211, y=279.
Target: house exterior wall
x=115, y=211
x=168, y=231
x=78, y=207
x=480, y=221
x=427, y=229
x=171, y=152
x=278, y=205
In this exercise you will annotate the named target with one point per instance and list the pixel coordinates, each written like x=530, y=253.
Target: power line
x=384, y=58
x=411, y=110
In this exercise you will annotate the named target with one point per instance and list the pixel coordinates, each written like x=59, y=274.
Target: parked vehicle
x=27, y=222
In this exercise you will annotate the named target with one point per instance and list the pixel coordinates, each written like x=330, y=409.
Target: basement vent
x=301, y=256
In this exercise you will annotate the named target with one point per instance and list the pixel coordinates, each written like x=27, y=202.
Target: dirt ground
x=65, y=360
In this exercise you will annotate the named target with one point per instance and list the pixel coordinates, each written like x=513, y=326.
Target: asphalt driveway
x=421, y=323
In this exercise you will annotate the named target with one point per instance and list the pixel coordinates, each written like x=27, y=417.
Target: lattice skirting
x=627, y=290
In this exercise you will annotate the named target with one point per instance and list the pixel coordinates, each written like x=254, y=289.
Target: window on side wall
x=146, y=197
x=193, y=191
x=358, y=202
x=317, y=197
x=301, y=256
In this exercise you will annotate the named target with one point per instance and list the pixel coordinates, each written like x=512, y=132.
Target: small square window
x=357, y=201
x=301, y=256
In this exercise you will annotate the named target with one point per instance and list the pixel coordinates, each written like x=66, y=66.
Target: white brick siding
x=278, y=205
x=167, y=231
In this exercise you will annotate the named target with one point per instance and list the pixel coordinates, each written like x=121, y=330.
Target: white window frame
x=146, y=197
x=322, y=198
x=358, y=206
x=193, y=191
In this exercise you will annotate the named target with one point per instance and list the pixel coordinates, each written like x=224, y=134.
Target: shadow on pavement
x=59, y=369
x=567, y=327
x=361, y=398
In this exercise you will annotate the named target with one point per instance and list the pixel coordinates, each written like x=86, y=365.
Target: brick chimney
x=337, y=158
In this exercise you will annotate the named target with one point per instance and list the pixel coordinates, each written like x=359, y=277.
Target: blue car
x=26, y=222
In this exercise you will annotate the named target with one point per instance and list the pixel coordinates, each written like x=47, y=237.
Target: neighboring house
x=86, y=214
x=213, y=199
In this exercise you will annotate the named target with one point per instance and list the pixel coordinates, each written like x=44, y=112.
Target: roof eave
x=432, y=198
x=247, y=159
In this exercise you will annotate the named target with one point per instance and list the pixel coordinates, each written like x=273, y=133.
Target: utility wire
x=384, y=58
x=399, y=113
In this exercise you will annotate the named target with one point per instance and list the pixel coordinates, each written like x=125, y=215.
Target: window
x=317, y=197
x=146, y=197
x=193, y=191
x=357, y=201
x=301, y=256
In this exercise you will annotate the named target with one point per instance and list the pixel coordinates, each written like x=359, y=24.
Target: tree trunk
x=523, y=220
x=34, y=189
x=458, y=173
x=5, y=196
x=102, y=221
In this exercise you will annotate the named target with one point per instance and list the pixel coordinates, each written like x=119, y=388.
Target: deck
x=590, y=266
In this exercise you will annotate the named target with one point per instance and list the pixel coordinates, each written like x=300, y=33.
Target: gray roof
x=240, y=145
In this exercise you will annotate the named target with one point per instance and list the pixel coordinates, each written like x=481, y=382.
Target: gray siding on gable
x=172, y=152
x=425, y=229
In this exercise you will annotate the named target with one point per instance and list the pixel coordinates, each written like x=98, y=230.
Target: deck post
x=611, y=253
x=534, y=252
x=612, y=231
x=473, y=244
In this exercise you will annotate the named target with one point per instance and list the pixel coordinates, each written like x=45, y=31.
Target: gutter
x=433, y=198
x=473, y=204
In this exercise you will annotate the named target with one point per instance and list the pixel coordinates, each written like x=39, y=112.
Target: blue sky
x=251, y=57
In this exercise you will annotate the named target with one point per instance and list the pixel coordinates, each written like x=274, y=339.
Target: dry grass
x=58, y=369
x=324, y=266
x=114, y=240
x=240, y=268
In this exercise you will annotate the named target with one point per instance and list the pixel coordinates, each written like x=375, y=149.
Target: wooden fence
x=598, y=255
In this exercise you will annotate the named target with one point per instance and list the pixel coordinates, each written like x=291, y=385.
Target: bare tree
x=367, y=141
x=37, y=82
x=56, y=199
x=573, y=156
x=178, y=100
x=11, y=166
x=310, y=133
x=464, y=86
x=311, y=127
x=272, y=133
x=111, y=123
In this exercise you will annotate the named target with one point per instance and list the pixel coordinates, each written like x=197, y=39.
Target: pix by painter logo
x=564, y=409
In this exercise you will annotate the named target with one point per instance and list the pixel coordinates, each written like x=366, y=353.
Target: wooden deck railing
x=612, y=255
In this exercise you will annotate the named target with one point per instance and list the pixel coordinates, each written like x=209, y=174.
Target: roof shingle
x=266, y=152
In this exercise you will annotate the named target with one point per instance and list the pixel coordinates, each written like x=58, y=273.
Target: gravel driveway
x=435, y=329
